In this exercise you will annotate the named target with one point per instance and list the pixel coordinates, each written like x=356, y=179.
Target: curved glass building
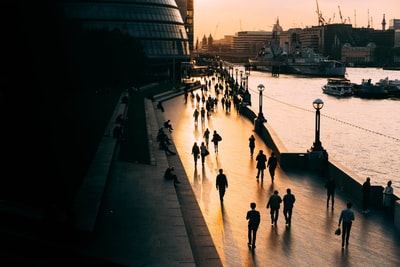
x=157, y=24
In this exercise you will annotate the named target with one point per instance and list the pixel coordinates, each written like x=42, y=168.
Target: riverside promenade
x=143, y=220
x=310, y=241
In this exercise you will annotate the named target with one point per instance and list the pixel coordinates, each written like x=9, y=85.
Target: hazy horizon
x=227, y=17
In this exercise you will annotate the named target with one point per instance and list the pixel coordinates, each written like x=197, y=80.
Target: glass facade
x=157, y=24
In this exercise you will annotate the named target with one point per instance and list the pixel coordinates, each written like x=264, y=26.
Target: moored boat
x=367, y=89
x=338, y=87
x=391, y=86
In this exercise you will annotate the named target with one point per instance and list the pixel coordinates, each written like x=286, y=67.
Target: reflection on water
x=360, y=134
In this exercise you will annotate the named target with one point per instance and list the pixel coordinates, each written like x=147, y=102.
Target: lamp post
x=260, y=117
x=317, y=104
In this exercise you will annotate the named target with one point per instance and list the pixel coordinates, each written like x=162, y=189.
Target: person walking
x=195, y=153
x=288, y=202
x=216, y=139
x=347, y=217
x=203, y=152
x=274, y=204
x=330, y=191
x=261, y=160
x=253, y=216
x=271, y=164
x=366, y=190
x=252, y=144
x=196, y=114
x=206, y=136
x=221, y=184
x=387, y=196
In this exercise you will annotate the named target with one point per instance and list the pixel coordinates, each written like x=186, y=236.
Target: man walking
x=253, y=216
x=274, y=203
x=261, y=160
x=330, y=192
x=288, y=201
x=347, y=216
x=221, y=184
x=271, y=164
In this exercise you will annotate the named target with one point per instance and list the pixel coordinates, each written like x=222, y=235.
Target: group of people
x=273, y=204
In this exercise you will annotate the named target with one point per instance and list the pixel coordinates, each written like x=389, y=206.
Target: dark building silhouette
x=65, y=65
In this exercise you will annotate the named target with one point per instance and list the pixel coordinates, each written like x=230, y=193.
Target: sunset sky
x=226, y=17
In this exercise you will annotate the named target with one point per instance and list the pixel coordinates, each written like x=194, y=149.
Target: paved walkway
x=144, y=220
x=310, y=241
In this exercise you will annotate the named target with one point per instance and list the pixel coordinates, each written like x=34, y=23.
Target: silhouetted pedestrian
x=261, y=160
x=347, y=216
x=196, y=114
x=388, y=196
x=274, y=204
x=221, y=184
x=271, y=164
x=252, y=144
x=253, y=216
x=366, y=190
x=216, y=139
x=203, y=152
x=330, y=186
x=195, y=152
x=206, y=136
x=288, y=202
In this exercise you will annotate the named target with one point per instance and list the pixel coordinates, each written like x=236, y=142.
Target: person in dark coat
x=261, y=160
x=288, y=202
x=274, y=204
x=221, y=184
x=271, y=164
x=252, y=144
x=216, y=139
x=195, y=153
x=330, y=191
x=366, y=190
x=253, y=216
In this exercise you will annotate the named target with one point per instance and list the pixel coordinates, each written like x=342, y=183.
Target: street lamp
x=317, y=104
x=260, y=117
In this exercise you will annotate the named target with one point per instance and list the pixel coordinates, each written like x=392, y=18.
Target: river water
x=363, y=135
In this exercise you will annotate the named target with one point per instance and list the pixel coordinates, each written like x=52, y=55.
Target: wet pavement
x=310, y=241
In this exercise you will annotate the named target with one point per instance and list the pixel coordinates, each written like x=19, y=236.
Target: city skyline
x=227, y=17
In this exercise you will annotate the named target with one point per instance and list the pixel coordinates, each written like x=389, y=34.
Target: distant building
x=394, y=24
x=186, y=9
x=354, y=56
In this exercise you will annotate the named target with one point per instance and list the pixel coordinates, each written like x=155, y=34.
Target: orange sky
x=226, y=17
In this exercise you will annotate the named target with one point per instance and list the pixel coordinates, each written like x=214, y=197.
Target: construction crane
x=341, y=18
x=321, y=20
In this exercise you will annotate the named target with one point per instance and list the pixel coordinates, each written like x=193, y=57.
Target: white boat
x=338, y=87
